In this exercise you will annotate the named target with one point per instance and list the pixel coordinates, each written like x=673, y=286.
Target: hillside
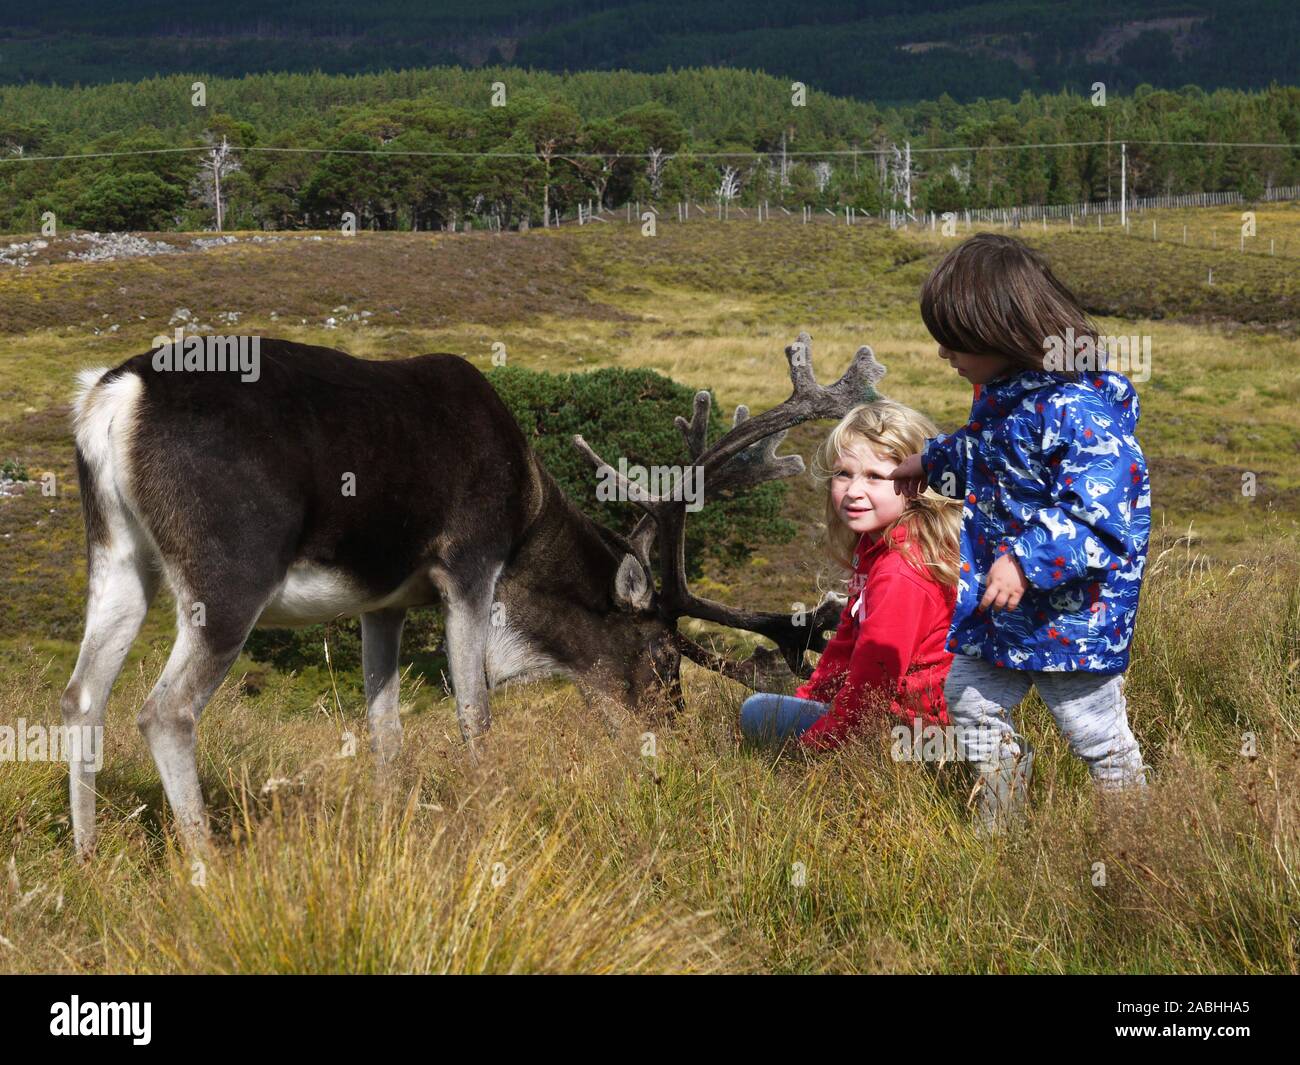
x=883, y=50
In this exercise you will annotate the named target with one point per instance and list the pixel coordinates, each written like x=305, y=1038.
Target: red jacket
x=888, y=656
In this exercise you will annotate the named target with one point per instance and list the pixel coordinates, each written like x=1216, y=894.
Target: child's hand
x=1005, y=584
x=909, y=477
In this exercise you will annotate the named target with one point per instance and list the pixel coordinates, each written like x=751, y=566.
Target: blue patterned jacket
x=1049, y=469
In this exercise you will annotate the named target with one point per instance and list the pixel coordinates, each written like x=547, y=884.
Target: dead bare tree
x=656, y=160
x=218, y=163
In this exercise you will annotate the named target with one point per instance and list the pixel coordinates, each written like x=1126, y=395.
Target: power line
x=645, y=155
x=97, y=155
x=1091, y=144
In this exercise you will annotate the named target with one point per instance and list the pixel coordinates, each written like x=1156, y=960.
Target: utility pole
x=1123, y=185
x=1108, y=144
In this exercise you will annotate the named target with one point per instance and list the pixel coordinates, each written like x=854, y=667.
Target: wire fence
x=1075, y=215
x=1034, y=212
x=683, y=211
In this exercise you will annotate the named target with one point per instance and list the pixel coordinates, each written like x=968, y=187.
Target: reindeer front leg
x=466, y=586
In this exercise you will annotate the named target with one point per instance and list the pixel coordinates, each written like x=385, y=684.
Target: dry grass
x=568, y=850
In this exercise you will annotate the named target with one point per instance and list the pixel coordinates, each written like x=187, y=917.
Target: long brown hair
x=933, y=521
x=994, y=295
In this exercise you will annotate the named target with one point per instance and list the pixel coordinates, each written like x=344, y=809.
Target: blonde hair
x=933, y=521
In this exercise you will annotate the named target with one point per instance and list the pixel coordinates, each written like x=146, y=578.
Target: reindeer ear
x=632, y=588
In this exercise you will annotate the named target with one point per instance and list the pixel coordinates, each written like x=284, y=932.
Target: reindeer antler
x=741, y=458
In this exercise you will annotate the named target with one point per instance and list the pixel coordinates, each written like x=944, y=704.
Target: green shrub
x=629, y=413
x=13, y=470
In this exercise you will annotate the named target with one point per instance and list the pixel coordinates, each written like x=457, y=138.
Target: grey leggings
x=1089, y=709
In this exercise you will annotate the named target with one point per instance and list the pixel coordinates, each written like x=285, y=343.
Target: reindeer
x=234, y=493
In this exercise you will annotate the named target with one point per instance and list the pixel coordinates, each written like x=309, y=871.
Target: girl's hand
x=1005, y=584
x=909, y=477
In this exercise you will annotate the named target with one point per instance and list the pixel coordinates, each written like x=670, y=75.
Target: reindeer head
x=743, y=457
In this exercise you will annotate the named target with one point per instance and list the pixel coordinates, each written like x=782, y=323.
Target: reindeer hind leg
x=122, y=583
x=199, y=660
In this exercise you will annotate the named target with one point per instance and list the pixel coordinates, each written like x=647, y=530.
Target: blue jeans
x=771, y=718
